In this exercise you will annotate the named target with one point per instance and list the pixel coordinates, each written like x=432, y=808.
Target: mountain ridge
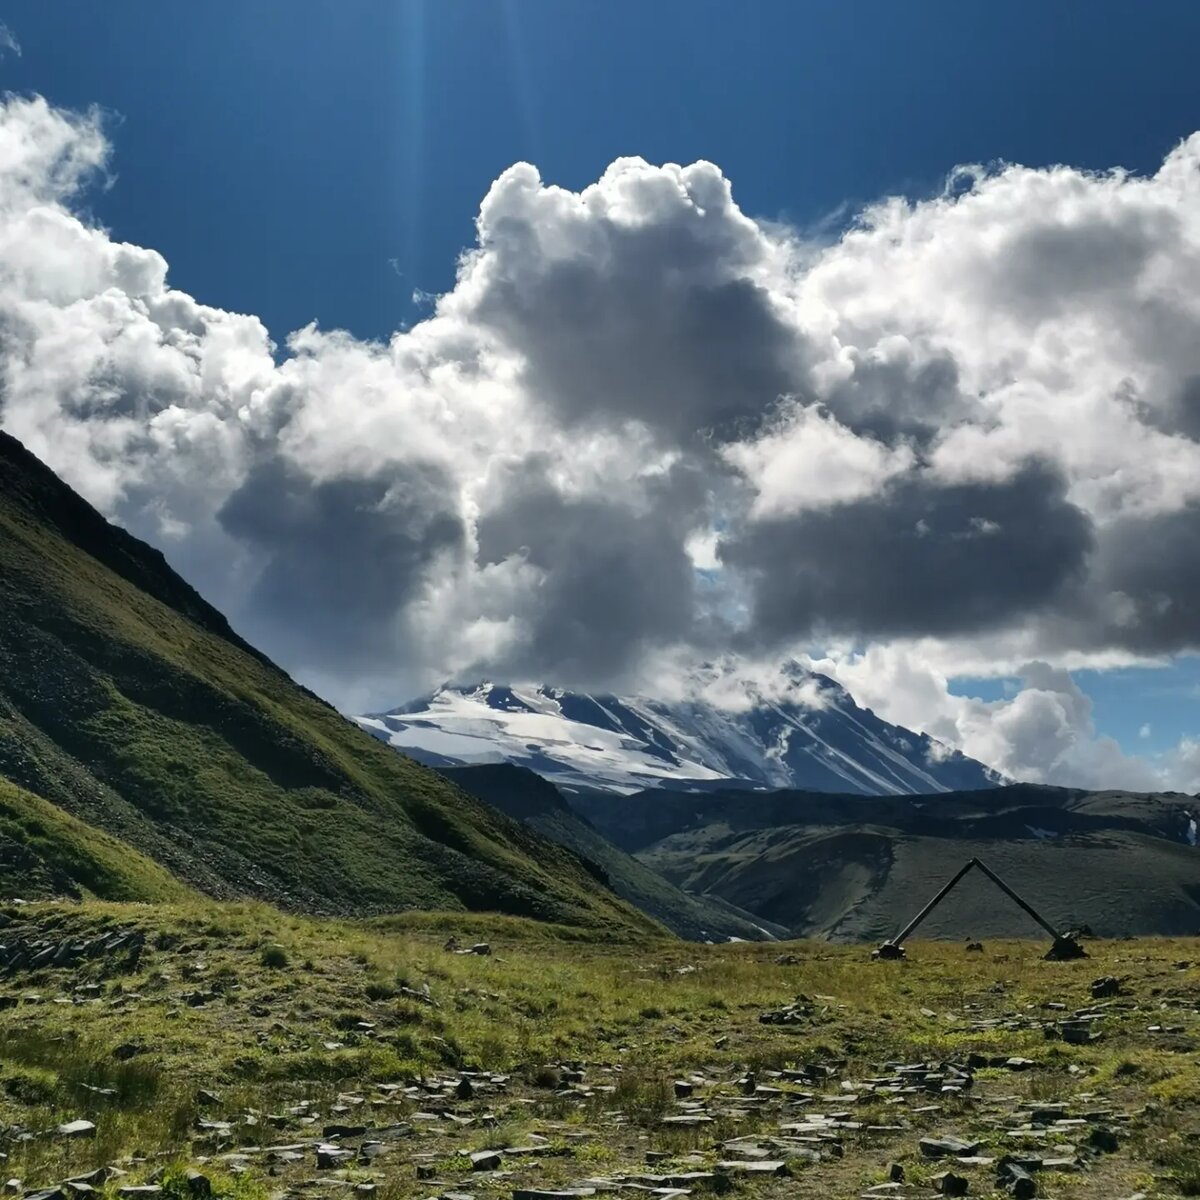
x=854, y=868
x=818, y=739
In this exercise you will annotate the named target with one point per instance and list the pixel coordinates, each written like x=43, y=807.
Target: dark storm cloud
x=338, y=558
x=917, y=559
x=1149, y=569
x=616, y=578
x=1039, y=313
x=897, y=397
x=1181, y=412
x=682, y=358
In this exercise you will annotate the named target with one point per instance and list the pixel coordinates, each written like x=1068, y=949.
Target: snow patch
x=1041, y=834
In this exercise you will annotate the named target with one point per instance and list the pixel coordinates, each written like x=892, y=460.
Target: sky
x=589, y=343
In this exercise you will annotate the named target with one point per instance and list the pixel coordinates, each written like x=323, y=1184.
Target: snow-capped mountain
x=821, y=740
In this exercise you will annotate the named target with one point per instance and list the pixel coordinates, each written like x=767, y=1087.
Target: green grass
x=62, y=853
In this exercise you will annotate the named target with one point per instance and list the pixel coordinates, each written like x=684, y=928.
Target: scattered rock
x=568, y=1194
x=343, y=1131
x=329, y=1157
x=949, y=1184
x=756, y=1166
x=1016, y=1180
x=796, y=1013
x=77, y=1129
x=1103, y=1139
x=199, y=1185
x=1108, y=985
x=947, y=1147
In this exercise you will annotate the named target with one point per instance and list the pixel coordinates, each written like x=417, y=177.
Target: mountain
x=147, y=750
x=854, y=868
x=821, y=741
x=530, y=798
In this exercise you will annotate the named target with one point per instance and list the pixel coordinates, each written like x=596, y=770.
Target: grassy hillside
x=127, y=702
x=284, y=1055
x=44, y=851
x=855, y=867
x=530, y=798
x=865, y=882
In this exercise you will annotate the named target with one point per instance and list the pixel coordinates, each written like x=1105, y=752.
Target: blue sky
x=320, y=160
x=1146, y=709
x=284, y=154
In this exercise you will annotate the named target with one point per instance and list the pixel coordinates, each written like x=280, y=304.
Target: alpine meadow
x=599, y=600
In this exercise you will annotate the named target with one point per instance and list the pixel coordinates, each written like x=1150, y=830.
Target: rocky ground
x=232, y=1052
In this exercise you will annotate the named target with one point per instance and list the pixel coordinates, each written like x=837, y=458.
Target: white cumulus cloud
x=644, y=427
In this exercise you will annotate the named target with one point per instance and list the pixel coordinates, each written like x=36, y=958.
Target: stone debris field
x=184, y=1064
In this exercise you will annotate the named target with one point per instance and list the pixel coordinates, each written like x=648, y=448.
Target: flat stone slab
x=756, y=1166
x=947, y=1147
x=533, y=1194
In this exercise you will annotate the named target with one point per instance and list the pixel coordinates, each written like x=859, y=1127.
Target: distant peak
x=795, y=729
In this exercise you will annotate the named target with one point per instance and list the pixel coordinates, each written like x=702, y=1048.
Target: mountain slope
x=822, y=740
x=529, y=798
x=127, y=702
x=44, y=851
x=854, y=868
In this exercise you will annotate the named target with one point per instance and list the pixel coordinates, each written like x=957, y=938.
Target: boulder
x=949, y=1184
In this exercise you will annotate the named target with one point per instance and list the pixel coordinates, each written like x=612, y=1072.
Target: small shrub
x=274, y=956
x=31, y=1086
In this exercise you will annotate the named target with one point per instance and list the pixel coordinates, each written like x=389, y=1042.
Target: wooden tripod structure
x=1064, y=946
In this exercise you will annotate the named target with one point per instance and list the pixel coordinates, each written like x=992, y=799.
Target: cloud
x=1043, y=733
x=340, y=558
x=918, y=557
x=808, y=460
x=644, y=428
x=647, y=297
x=8, y=41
